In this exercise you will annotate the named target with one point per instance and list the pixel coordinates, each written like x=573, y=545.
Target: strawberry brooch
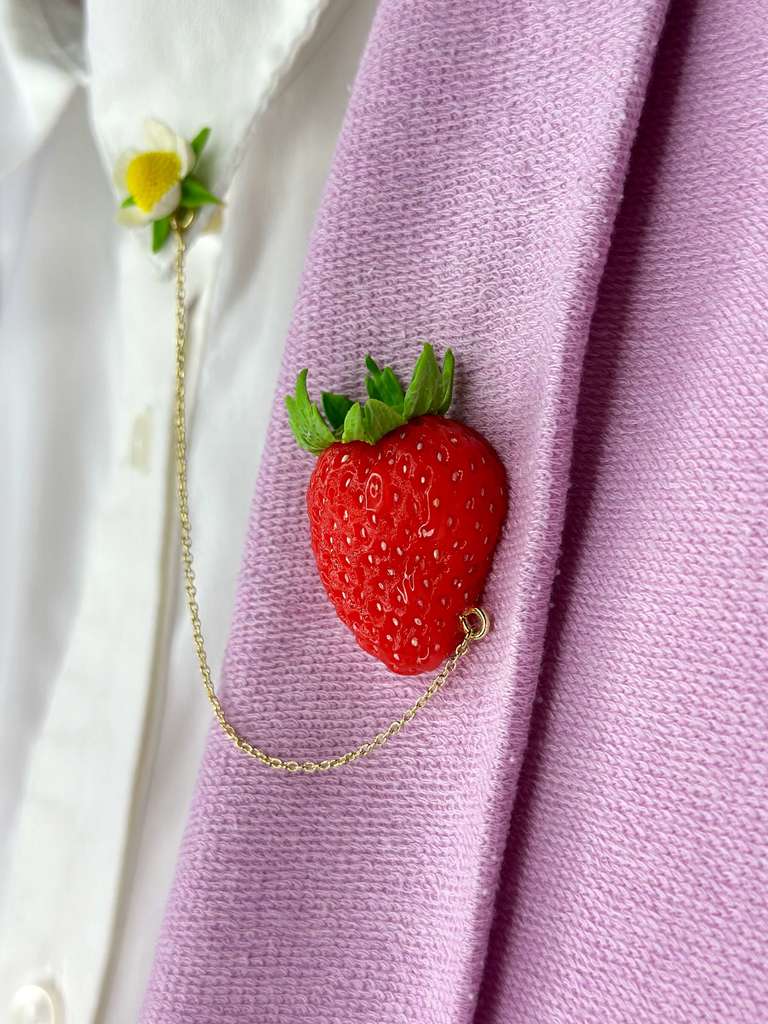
x=405, y=510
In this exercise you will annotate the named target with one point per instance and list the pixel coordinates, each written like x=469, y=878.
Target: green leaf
x=160, y=231
x=383, y=385
x=354, y=426
x=386, y=409
x=128, y=201
x=446, y=382
x=194, y=194
x=370, y=422
x=199, y=141
x=424, y=394
x=308, y=426
x=335, y=408
x=380, y=419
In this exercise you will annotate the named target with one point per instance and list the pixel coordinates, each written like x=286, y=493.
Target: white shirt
x=104, y=714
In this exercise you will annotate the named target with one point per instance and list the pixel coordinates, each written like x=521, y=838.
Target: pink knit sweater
x=576, y=830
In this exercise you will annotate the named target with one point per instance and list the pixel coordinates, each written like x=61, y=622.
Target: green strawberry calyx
x=387, y=407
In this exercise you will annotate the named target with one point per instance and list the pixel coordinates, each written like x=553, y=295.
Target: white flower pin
x=159, y=181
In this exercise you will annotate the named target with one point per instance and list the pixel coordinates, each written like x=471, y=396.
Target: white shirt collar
x=186, y=62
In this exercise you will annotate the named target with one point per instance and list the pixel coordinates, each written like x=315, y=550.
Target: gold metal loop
x=475, y=621
x=182, y=219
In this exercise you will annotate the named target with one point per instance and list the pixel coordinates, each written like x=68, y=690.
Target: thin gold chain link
x=474, y=621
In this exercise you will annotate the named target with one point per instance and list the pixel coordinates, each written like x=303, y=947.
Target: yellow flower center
x=150, y=175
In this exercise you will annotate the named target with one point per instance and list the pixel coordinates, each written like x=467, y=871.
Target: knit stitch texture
x=475, y=188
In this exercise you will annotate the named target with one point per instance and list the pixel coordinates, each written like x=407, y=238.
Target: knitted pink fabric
x=474, y=191
x=635, y=881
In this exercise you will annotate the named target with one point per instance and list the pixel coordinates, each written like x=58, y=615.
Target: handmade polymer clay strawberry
x=405, y=509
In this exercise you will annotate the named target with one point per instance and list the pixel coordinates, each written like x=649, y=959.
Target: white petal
x=121, y=166
x=186, y=155
x=132, y=217
x=159, y=135
x=167, y=204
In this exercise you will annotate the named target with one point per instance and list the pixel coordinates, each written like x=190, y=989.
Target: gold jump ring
x=476, y=623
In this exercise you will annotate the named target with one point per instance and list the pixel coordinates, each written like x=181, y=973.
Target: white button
x=33, y=1004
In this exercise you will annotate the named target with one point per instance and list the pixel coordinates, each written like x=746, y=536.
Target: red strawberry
x=405, y=510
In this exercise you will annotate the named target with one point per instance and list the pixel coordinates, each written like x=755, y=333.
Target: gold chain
x=474, y=621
